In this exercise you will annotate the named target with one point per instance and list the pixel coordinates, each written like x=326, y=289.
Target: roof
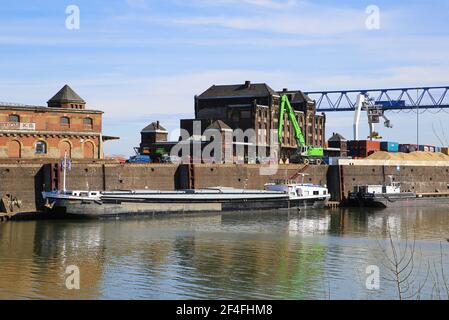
x=66, y=95
x=153, y=127
x=337, y=137
x=107, y=138
x=297, y=96
x=220, y=125
x=19, y=107
x=247, y=89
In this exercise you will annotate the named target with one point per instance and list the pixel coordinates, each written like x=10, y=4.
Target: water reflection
x=297, y=255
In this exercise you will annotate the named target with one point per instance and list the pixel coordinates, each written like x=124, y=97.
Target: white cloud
x=269, y=4
x=137, y=4
x=324, y=22
x=290, y=17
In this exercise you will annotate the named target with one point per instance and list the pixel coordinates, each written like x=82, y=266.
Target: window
x=65, y=121
x=88, y=122
x=14, y=118
x=41, y=147
x=245, y=114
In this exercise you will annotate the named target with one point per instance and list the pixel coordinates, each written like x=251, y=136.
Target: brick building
x=256, y=106
x=338, y=144
x=65, y=125
x=153, y=140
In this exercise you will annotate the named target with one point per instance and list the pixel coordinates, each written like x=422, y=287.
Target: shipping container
x=389, y=146
x=363, y=148
x=426, y=148
x=369, y=145
x=407, y=148
x=445, y=150
x=437, y=149
x=423, y=148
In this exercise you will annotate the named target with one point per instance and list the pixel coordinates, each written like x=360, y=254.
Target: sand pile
x=413, y=156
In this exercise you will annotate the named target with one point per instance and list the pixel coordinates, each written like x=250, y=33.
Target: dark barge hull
x=101, y=209
x=394, y=201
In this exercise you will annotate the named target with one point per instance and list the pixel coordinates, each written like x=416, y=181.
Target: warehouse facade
x=256, y=106
x=65, y=126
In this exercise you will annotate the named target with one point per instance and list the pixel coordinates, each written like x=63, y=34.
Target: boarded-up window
x=89, y=150
x=64, y=147
x=14, y=149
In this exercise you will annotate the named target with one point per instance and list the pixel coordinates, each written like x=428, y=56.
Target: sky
x=144, y=60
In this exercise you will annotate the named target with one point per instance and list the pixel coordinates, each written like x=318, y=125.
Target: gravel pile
x=413, y=156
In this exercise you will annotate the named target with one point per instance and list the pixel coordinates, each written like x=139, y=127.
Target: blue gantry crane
x=377, y=101
x=390, y=99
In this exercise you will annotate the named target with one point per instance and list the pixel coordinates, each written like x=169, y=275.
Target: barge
x=97, y=204
x=386, y=196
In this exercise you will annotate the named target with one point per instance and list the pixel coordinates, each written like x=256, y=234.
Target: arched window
x=41, y=147
x=88, y=123
x=14, y=118
x=89, y=150
x=14, y=149
x=65, y=121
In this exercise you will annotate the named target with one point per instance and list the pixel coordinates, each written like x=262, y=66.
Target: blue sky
x=144, y=60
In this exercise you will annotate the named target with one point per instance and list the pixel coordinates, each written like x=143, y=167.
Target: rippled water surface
x=306, y=255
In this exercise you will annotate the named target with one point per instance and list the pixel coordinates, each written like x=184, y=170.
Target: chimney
x=247, y=84
x=157, y=124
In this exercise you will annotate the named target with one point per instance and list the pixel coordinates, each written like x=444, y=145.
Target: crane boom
x=306, y=154
x=285, y=104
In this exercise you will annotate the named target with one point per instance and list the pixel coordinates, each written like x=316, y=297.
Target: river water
x=318, y=254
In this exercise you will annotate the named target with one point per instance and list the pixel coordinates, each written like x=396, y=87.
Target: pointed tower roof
x=220, y=125
x=154, y=127
x=336, y=137
x=66, y=95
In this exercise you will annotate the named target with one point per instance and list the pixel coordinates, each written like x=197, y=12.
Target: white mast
x=64, y=166
x=358, y=109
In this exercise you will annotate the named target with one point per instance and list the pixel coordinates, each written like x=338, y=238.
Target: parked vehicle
x=140, y=158
x=170, y=159
x=119, y=159
x=266, y=160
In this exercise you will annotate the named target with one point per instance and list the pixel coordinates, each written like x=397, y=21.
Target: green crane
x=304, y=153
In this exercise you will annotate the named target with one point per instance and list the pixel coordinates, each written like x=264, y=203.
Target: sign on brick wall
x=17, y=126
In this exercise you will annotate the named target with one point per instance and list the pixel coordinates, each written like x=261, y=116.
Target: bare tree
x=400, y=264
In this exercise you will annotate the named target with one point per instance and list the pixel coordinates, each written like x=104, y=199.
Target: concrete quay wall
x=26, y=180
x=417, y=179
